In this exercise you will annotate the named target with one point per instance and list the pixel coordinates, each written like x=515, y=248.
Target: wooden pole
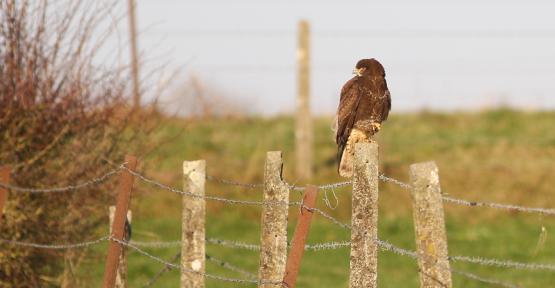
x=273, y=237
x=132, y=6
x=4, y=179
x=299, y=238
x=364, y=221
x=118, y=226
x=121, y=274
x=429, y=226
x=192, y=225
x=303, y=122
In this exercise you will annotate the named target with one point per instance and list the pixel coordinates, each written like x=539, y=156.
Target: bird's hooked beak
x=358, y=71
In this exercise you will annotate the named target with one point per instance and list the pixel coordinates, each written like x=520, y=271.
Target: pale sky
x=440, y=55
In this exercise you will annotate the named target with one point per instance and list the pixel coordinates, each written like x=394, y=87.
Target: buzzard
x=365, y=102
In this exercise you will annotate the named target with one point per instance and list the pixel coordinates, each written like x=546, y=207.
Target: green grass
x=500, y=156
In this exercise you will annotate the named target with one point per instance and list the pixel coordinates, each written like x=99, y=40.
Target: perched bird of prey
x=365, y=102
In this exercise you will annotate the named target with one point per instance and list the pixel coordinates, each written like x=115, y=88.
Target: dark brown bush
x=61, y=121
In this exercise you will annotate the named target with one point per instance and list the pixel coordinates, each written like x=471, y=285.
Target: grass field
x=500, y=156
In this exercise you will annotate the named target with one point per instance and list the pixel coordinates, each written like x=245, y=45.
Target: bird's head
x=369, y=67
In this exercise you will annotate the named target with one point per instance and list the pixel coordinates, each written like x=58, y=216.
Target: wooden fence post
x=273, y=237
x=121, y=274
x=364, y=221
x=4, y=179
x=429, y=226
x=193, y=234
x=132, y=14
x=299, y=238
x=118, y=227
x=303, y=121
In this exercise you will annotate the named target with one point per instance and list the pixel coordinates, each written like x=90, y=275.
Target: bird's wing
x=346, y=112
x=387, y=105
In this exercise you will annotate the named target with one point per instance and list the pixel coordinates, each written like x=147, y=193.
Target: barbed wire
x=502, y=263
x=450, y=199
x=470, y=259
x=56, y=246
x=259, y=185
x=213, y=198
x=241, y=245
x=233, y=183
x=483, y=279
x=161, y=272
x=91, y=182
x=394, y=181
x=546, y=211
x=179, y=267
x=233, y=244
x=156, y=244
x=231, y=267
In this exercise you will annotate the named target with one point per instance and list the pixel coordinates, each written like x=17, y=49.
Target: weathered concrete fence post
x=429, y=226
x=364, y=221
x=273, y=237
x=304, y=137
x=192, y=226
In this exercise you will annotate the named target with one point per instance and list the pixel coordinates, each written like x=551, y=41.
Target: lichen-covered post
x=121, y=276
x=273, y=237
x=193, y=234
x=364, y=219
x=429, y=226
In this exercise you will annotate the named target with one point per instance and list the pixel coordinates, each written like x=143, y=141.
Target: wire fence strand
x=450, y=199
x=206, y=197
x=162, y=271
x=179, y=267
x=482, y=279
x=56, y=246
x=546, y=211
x=91, y=182
x=231, y=267
x=233, y=183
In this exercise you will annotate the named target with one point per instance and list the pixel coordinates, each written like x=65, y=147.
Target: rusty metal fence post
x=299, y=238
x=429, y=226
x=364, y=221
x=273, y=236
x=118, y=227
x=4, y=179
x=193, y=230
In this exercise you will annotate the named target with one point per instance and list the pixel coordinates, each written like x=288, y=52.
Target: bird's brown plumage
x=364, y=103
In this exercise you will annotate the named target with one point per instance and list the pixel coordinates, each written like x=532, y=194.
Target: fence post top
x=273, y=154
x=423, y=167
x=191, y=166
